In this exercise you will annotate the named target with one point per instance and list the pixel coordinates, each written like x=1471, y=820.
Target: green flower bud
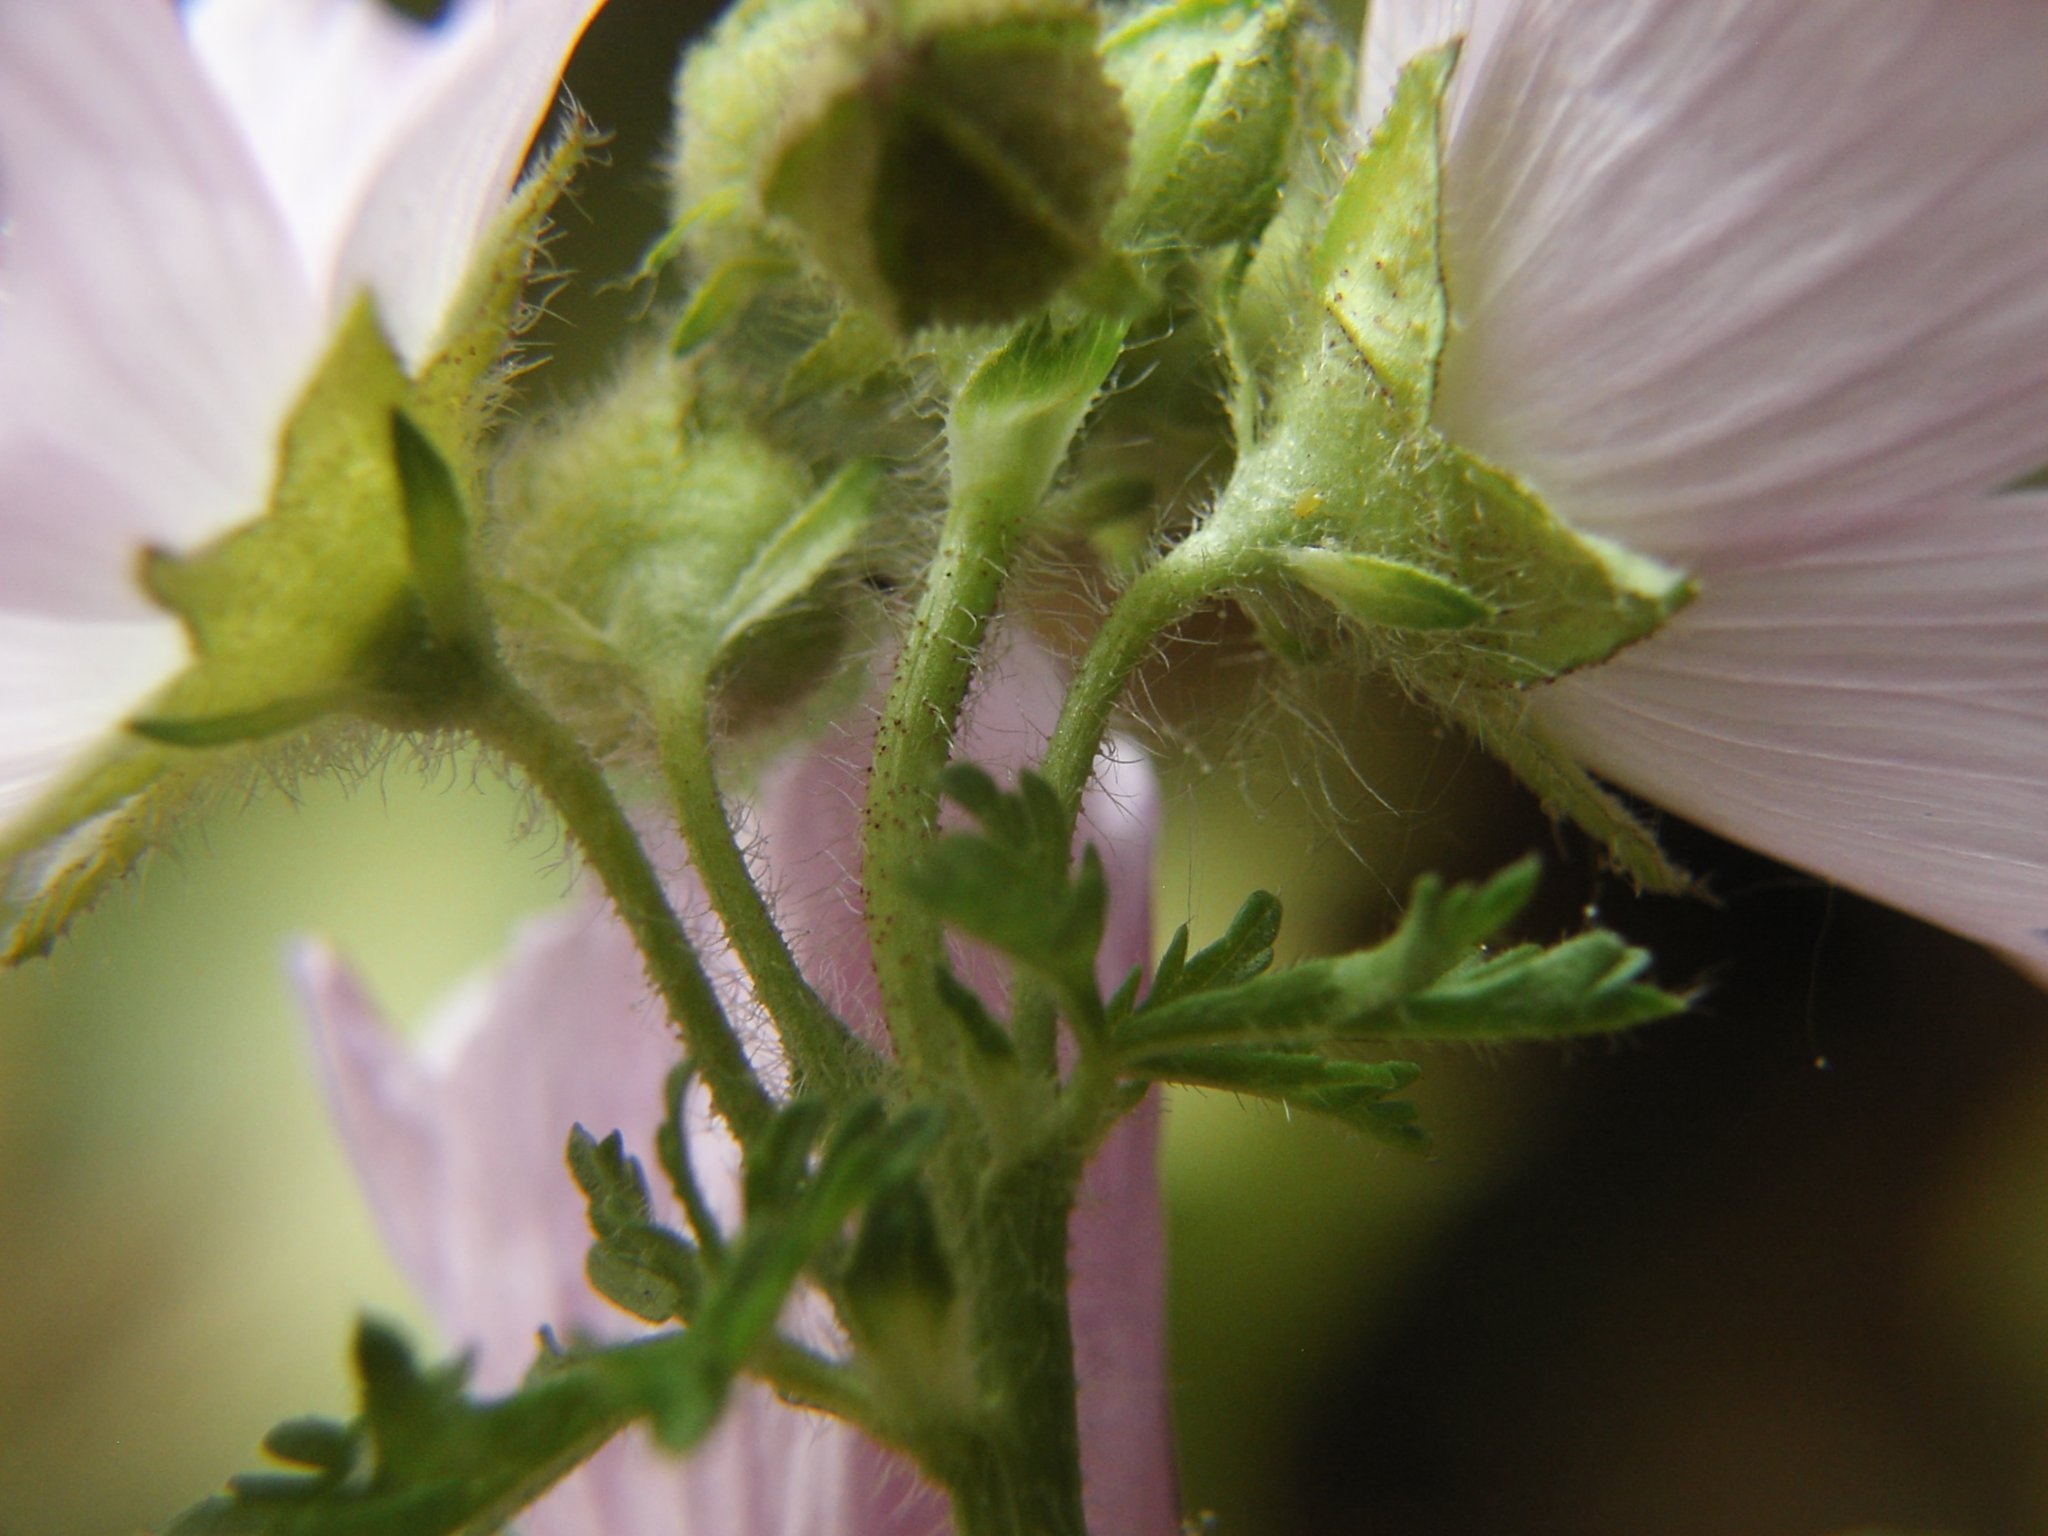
x=638, y=555
x=1213, y=90
x=944, y=164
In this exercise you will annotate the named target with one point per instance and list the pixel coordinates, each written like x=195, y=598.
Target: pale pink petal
x=459, y=1143
x=416, y=232
x=1119, y=1226
x=563, y=1033
x=1732, y=275
x=810, y=817
x=385, y=1104
x=1395, y=32
x=153, y=324
x=66, y=686
x=1876, y=711
x=325, y=92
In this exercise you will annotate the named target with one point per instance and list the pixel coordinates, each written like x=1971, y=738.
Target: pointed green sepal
x=723, y=297
x=797, y=555
x=1565, y=599
x=460, y=388
x=58, y=862
x=1392, y=594
x=1211, y=88
x=437, y=523
x=1015, y=418
x=315, y=599
x=1379, y=264
x=198, y=732
x=1502, y=721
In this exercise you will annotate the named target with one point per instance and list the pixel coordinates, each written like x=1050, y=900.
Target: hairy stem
x=1160, y=597
x=912, y=745
x=506, y=719
x=824, y=1054
x=1018, y=1473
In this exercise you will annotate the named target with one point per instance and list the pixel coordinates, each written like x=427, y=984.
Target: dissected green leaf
x=636, y=1262
x=1016, y=885
x=1591, y=984
x=422, y=1458
x=980, y=1027
x=1354, y=1092
x=1244, y=950
x=1428, y=979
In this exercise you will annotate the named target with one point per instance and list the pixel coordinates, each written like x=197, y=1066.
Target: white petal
x=153, y=329
x=1731, y=275
x=1876, y=712
x=1395, y=32
x=564, y=1033
x=326, y=92
x=460, y=1145
x=415, y=233
x=387, y=1108
x=66, y=686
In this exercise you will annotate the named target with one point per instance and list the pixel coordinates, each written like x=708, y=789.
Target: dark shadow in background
x=1703, y=1307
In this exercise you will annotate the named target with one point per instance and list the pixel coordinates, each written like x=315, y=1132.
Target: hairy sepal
x=1454, y=572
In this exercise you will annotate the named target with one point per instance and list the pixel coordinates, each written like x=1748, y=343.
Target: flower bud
x=946, y=163
x=1213, y=92
x=638, y=554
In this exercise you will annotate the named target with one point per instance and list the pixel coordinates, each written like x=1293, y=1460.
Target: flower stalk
x=508, y=721
x=824, y=1055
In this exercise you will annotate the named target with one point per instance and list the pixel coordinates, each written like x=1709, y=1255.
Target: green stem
x=1027, y=1480
x=823, y=1052
x=506, y=719
x=801, y=1376
x=1161, y=596
x=912, y=745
